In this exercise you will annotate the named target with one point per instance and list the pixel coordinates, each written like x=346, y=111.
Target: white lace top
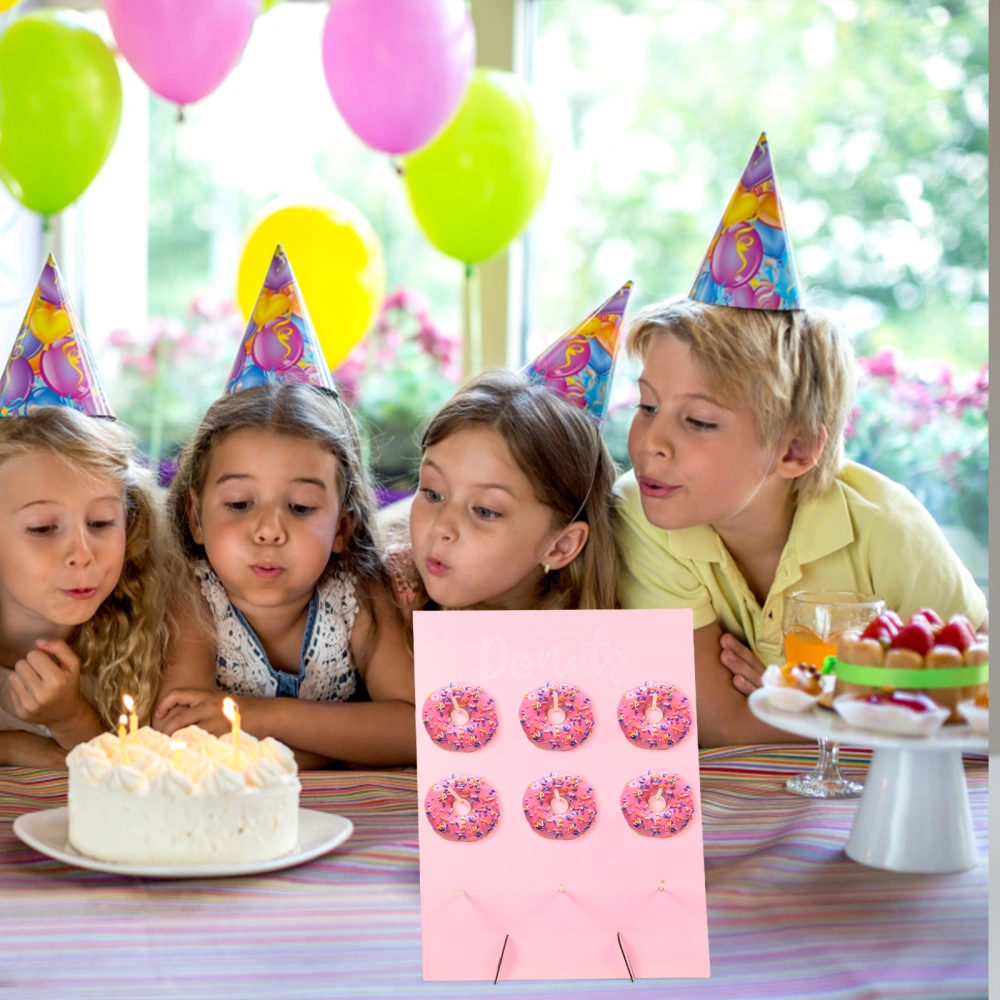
x=326, y=670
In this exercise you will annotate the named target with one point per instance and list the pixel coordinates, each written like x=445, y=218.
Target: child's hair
x=123, y=647
x=295, y=410
x=561, y=451
x=792, y=368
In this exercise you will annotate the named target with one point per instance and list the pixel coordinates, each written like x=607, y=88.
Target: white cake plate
x=914, y=813
x=47, y=832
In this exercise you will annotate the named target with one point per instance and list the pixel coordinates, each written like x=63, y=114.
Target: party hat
x=50, y=363
x=280, y=344
x=749, y=263
x=580, y=365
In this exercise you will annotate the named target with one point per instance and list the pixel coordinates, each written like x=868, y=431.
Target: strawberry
x=932, y=616
x=958, y=633
x=891, y=616
x=918, y=636
x=883, y=628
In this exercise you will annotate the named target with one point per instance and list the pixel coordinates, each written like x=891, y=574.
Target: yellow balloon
x=742, y=205
x=6, y=5
x=337, y=261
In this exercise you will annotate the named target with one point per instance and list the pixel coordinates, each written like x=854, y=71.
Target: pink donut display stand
x=462, y=808
x=560, y=806
x=556, y=716
x=657, y=804
x=654, y=716
x=461, y=718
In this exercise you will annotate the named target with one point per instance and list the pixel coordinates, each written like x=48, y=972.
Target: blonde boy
x=740, y=495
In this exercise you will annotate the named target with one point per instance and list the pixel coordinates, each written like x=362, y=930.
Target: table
x=789, y=914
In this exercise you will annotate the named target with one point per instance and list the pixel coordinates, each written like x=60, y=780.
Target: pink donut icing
x=657, y=804
x=460, y=717
x=556, y=716
x=654, y=726
x=559, y=806
x=462, y=807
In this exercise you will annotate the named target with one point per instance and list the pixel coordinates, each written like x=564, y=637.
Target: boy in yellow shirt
x=739, y=493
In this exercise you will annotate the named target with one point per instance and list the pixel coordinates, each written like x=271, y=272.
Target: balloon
x=759, y=169
x=29, y=346
x=769, y=211
x=474, y=188
x=49, y=324
x=182, y=49
x=600, y=358
x=398, y=69
x=251, y=376
x=338, y=265
x=42, y=396
x=744, y=297
x=705, y=289
x=564, y=358
x=742, y=205
x=737, y=255
x=62, y=369
x=6, y=5
x=15, y=383
x=60, y=107
x=278, y=346
x=48, y=287
x=772, y=240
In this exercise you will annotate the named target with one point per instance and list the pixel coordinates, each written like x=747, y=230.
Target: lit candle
x=657, y=803
x=460, y=807
x=555, y=714
x=122, y=719
x=558, y=804
x=231, y=711
x=459, y=716
x=177, y=746
x=654, y=714
x=133, y=719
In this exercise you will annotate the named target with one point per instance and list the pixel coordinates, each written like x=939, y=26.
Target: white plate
x=823, y=723
x=48, y=832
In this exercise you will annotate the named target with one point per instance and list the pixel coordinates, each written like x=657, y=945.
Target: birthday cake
x=191, y=799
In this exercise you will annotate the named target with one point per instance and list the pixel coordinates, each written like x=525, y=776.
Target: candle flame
x=128, y=702
x=122, y=719
x=229, y=709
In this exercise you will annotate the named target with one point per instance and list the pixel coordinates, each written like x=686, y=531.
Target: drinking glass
x=813, y=622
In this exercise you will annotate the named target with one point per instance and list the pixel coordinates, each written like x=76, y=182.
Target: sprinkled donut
x=657, y=804
x=559, y=806
x=556, y=716
x=462, y=807
x=654, y=716
x=460, y=717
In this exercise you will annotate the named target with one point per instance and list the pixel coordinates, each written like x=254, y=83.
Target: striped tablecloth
x=789, y=915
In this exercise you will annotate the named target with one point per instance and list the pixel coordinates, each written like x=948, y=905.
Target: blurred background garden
x=876, y=112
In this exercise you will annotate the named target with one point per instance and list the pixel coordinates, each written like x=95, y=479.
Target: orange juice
x=803, y=646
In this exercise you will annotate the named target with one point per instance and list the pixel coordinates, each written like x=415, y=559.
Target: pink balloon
x=278, y=346
x=564, y=358
x=737, y=255
x=182, y=49
x=398, y=69
x=62, y=368
x=743, y=297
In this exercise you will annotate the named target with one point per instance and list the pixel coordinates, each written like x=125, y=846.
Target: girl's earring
x=546, y=567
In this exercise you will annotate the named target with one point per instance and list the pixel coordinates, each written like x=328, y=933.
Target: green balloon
x=474, y=188
x=60, y=107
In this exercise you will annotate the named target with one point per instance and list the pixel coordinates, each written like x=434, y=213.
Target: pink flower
x=885, y=364
x=121, y=338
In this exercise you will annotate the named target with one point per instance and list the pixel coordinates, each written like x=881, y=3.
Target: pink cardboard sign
x=619, y=805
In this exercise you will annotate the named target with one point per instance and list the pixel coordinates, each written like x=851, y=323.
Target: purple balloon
x=26, y=346
x=744, y=297
x=564, y=358
x=759, y=168
x=15, y=383
x=62, y=369
x=398, y=69
x=48, y=286
x=278, y=345
x=737, y=255
x=279, y=273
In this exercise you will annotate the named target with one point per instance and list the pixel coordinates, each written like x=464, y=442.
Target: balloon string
x=473, y=322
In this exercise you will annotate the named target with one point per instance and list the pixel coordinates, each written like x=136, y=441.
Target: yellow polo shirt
x=866, y=533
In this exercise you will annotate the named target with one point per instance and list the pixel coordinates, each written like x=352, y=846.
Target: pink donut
x=655, y=716
x=657, y=804
x=462, y=807
x=556, y=716
x=460, y=717
x=559, y=806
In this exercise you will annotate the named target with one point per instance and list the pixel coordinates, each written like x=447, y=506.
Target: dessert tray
x=47, y=831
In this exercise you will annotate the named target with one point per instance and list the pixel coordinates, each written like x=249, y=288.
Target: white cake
x=133, y=803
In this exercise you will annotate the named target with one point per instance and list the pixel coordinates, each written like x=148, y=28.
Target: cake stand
x=914, y=813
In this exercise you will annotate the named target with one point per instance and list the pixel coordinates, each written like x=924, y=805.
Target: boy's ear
x=345, y=528
x=799, y=456
x=567, y=546
x=194, y=521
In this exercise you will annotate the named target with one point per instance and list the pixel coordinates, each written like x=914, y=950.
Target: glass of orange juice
x=813, y=623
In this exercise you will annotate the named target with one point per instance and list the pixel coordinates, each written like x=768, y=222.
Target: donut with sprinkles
x=560, y=806
x=657, y=804
x=461, y=718
x=462, y=808
x=654, y=716
x=556, y=716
